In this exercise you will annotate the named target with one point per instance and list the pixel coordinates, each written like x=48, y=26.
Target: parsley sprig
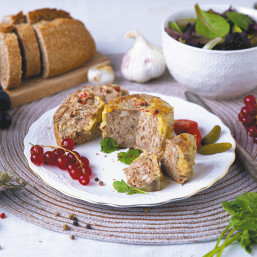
x=7, y=182
x=123, y=187
x=242, y=224
x=129, y=156
x=108, y=145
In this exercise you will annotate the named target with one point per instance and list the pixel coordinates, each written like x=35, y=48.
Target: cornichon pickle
x=214, y=148
x=213, y=136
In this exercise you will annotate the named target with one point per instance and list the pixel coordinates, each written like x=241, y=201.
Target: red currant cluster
x=248, y=116
x=64, y=158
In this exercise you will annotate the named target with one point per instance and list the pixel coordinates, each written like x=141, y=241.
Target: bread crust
x=10, y=60
x=46, y=14
x=65, y=44
x=30, y=51
x=14, y=19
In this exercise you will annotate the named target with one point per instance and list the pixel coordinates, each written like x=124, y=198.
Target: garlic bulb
x=100, y=74
x=144, y=61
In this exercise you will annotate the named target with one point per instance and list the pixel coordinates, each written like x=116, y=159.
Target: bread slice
x=14, y=19
x=64, y=44
x=46, y=14
x=80, y=115
x=145, y=173
x=10, y=61
x=179, y=157
x=31, y=65
x=139, y=121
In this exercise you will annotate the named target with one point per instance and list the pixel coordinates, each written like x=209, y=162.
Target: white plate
x=208, y=168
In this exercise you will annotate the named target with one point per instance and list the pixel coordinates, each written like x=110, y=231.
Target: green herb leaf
x=108, y=145
x=129, y=156
x=122, y=187
x=6, y=182
x=241, y=20
x=243, y=220
x=210, y=25
x=174, y=26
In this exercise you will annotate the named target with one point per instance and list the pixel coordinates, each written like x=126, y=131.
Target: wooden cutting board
x=36, y=88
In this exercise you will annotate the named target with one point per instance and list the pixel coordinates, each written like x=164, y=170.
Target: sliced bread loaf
x=64, y=44
x=46, y=14
x=10, y=61
x=31, y=65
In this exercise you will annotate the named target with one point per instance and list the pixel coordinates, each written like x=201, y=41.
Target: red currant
x=248, y=120
x=250, y=99
x=49, y=158
x=70, y=166
x=85, y=161
x=252, y=131
x=37, y=149
x=84, y=179
x=58, y=152
x=72, y=157
x=240, y=116
x=68, y=143
x=75, y=173
x=37, y=159
x=87, y=170
x=2, y=215
x=62, y=162
x=248, y=110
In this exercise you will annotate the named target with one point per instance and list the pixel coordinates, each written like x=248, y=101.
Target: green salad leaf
x=108, y=145
x=174, y=26
x=210, y=25
x=242, y=224
x=122, y=187
x=241, y=20
x=129, y=156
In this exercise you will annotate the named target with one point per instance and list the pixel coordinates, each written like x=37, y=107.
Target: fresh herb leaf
x=108, y=145
x=122, y=187
x=129, y=156
x=210, y=25
x=6, y=182
x=241, y=20
x=243, y=221
x=174, y=26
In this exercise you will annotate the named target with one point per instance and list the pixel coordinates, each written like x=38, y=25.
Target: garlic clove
x=100, y=74
x=144, y=61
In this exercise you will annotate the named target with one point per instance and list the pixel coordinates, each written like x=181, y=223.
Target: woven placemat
x=198, y=218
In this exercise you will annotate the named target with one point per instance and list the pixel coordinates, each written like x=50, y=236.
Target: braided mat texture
x=198, y=218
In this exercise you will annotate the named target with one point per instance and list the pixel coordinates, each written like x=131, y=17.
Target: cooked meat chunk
x=80, y=115
x=179, y=157
x=145, y=173
x=139, y=121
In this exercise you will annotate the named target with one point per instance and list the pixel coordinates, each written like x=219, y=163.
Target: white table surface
x=108, y=21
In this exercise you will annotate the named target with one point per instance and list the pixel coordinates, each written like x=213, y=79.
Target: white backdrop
x=108, y=22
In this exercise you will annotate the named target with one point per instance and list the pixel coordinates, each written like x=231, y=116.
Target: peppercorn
x=56, y=214
x=101, y=183
x=88, y=226
x=96, y=179
x=66, y=227
x=72, y=237
x=75, y=223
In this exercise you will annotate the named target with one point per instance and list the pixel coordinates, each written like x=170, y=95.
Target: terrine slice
x=139, y=121
x=145, y=173
x=179, y=157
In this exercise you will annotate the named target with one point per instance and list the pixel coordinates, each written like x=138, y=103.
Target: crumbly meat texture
x=14, y=19
x=10, y=61
x=139, y=121
x=80, y=115
x=46, y=14
x=65, y=44
x=179, y=157
x=31, y=65
x=145, y=173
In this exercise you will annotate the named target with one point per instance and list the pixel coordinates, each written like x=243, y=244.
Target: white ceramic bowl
x=211, y=73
